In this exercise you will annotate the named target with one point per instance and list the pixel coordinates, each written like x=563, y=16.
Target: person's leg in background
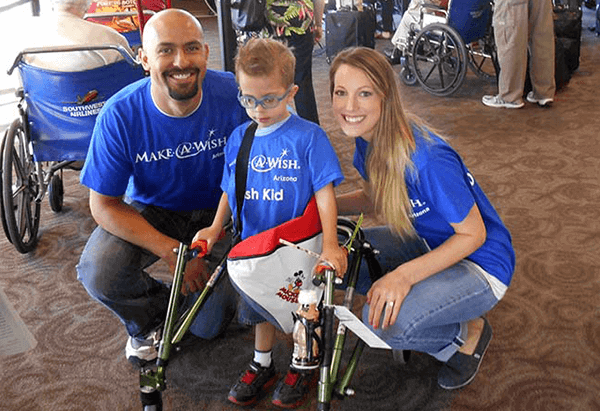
x=542, y=48
x=387, y=22
x=598, y=19
x=510, y=22
x=306, y=104
x=411, y=18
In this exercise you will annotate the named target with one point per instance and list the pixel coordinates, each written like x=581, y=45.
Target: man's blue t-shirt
x=286, y=168
x=172, y=162
x=442, y=191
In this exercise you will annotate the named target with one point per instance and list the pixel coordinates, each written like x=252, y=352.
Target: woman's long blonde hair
x=392, y=144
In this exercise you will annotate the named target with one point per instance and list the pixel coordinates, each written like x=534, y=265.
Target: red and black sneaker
x=291, y=390
x=252, y=382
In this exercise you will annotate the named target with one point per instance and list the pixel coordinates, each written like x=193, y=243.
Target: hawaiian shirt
x=289, y=16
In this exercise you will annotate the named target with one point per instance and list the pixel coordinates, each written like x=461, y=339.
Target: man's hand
x=195, y=275
x=318, y=33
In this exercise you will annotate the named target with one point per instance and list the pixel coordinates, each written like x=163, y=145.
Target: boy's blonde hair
x=264, y=56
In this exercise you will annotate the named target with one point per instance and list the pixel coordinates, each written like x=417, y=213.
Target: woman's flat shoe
x=461, y=369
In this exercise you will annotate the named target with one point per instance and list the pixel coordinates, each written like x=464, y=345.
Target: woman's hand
x=385, y=298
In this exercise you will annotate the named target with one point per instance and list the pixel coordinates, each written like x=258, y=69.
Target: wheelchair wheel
x=439, y=59
x=483, y=59
x=56, y=193
x=408, y=76
x=20, y=187
x=4, y=226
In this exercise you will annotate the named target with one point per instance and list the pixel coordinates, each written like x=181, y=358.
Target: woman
x=447, y=256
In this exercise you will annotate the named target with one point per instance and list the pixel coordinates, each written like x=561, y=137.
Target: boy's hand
x=207, y=237
x=338, y=257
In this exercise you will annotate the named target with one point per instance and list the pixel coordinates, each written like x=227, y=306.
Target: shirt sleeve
x=325, y=165
x=107, y=168
x=445, y=182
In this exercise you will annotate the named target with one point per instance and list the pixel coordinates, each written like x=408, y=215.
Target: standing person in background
x=521, y=26
x=300, y=24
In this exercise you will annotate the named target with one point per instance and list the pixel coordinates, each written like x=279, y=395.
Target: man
x=65, y=26
x=153, y=168
x=521, y=27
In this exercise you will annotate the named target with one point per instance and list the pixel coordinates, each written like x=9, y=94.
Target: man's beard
x=186, y=94
x=175, y=95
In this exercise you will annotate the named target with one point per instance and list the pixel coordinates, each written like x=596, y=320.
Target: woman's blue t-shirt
x=442, y=191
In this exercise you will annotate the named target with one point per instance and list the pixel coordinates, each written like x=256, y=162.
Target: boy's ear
x=293, y=91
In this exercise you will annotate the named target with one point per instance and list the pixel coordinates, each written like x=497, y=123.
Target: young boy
x=265, y=74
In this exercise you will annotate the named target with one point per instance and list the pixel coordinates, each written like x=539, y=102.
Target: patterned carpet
x=539, y=167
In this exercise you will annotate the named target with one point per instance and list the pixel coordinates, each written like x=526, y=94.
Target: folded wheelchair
x=57, y=112
x=446, y=41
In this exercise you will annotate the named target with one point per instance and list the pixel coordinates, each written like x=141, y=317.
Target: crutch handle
x=319, y=274
x=201, y=247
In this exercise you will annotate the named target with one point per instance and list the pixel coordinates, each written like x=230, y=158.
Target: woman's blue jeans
x=112, y=272
x=433, y=316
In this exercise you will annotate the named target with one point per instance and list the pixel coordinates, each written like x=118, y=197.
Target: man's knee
x=103, y=263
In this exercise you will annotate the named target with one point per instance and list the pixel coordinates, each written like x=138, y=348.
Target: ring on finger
x=390, y=304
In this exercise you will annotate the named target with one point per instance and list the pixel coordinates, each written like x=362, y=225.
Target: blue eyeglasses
x=269, y=101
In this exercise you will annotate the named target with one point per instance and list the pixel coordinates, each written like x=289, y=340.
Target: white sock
x=263, y=358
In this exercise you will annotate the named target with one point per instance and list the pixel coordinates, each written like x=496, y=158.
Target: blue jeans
x=112, y=272
x=433, y=316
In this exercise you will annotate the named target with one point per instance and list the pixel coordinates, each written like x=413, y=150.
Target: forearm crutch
x=332, y=351
x=152, y=378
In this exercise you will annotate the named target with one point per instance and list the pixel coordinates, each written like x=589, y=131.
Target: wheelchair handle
x=116, y=14
x=127, y=55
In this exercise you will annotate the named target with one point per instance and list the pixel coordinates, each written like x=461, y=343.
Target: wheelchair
x=57, y=112
x=447, y=41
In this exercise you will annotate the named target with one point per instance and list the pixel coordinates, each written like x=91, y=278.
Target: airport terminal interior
x=540, y=168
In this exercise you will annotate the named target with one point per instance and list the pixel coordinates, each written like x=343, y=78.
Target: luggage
x=567, y=27
x=562, y=71
x=348, y=28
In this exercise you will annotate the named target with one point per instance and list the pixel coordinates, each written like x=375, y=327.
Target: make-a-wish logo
x=262, y=164
x=182, y=151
